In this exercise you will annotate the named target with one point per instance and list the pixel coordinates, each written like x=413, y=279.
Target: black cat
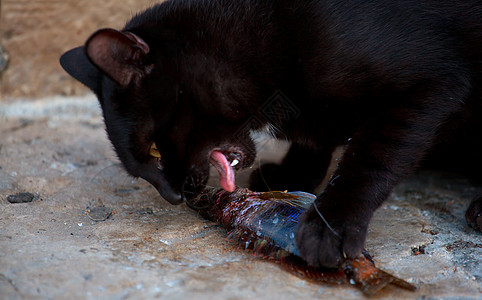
x=183, y=84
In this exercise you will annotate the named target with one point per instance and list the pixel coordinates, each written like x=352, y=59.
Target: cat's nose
x=172, y=196
x=170, y=192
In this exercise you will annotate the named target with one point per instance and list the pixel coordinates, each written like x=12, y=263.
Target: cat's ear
x=76, y=63
x=120, y=55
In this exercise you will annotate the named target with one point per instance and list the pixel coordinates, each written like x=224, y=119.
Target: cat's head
x=169, y=112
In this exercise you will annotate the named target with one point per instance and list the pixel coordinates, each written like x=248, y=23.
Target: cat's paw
x=327, y=246
x=474, y=213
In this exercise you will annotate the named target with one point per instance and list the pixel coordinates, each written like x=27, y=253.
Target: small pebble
x=21, y=198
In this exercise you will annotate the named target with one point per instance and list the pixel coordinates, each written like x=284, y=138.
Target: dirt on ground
x=74, y=225
x=35, y=33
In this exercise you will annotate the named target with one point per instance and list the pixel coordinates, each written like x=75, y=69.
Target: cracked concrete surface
x=52, y=247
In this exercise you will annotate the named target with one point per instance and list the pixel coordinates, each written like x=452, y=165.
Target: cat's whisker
x=104, y=169
x=211, y=186
x=261, y=174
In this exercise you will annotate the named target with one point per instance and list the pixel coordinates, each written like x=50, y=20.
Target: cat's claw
x=327, y=243
x=474, y=213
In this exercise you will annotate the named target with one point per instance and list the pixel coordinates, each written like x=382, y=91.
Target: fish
x=265, y=223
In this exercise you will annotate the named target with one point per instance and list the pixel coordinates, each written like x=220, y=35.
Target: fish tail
x=363, y=273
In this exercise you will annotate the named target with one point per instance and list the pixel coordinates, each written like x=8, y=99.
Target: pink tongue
x=226, y=172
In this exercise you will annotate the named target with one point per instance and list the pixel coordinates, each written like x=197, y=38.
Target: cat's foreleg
x=380, y=155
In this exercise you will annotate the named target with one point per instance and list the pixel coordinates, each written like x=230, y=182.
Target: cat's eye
x=154, y=152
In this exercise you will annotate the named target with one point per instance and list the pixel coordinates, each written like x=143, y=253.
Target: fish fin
x=296, y=199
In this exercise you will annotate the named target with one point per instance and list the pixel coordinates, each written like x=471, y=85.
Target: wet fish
x=265, y=222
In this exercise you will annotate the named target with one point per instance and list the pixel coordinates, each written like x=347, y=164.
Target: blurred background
x=33, y=35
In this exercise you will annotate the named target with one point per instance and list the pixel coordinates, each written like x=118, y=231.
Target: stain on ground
x=99, y=213
x=462, y=245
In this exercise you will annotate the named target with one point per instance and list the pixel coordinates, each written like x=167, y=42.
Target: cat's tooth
x=234, y=163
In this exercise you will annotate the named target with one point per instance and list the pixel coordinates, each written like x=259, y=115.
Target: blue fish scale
x=277, y=220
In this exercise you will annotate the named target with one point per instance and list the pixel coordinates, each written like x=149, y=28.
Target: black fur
x=394, y=81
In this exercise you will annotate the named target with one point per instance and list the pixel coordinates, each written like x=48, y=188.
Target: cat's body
x=393, y=80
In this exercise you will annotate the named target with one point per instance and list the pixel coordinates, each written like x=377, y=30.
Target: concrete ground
x=92, y=232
